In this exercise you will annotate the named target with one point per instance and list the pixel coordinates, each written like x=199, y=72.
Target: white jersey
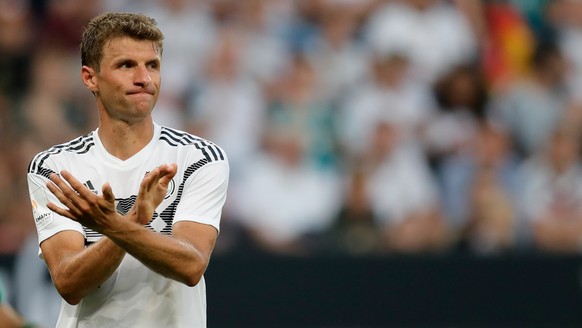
x=135, y=296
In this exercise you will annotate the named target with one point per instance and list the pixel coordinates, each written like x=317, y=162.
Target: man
x=132, y=254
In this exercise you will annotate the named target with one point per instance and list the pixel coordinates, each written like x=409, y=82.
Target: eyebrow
x=124, y=60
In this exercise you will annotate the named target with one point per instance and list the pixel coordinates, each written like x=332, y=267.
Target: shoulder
x=77, y=146
x=181, y=139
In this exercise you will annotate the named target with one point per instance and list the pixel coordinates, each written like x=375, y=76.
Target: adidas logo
x=89, y=186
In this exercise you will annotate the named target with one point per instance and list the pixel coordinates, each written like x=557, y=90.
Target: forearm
x=169, y=256
x=85, y=271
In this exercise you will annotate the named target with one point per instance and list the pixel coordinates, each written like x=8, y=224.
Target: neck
x=122, y=139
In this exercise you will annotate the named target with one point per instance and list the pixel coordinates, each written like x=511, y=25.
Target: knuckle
x=85, y=207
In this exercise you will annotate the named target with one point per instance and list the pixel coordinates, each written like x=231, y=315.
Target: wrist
x=117, y=222
x=131, y=215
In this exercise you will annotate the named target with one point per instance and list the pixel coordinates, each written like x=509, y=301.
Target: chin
x=144, y=107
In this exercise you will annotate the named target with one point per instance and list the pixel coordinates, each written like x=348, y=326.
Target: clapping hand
x=152, y=191
x=82, y=205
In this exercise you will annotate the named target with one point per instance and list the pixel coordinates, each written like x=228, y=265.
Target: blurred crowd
x=353, y=127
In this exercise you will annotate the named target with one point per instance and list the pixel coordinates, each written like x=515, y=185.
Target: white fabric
x=231, y=113
x=401, y=186
x=338, y=69
x=571, y=46
x=435, y=39
x=285, y=202
x=545, y=189
x=135, y=296
x=408, y=106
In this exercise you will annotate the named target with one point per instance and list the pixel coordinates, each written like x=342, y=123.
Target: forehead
x=126, y=47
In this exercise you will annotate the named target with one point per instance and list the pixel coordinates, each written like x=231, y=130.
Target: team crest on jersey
x=171, y=189
x=41, y=213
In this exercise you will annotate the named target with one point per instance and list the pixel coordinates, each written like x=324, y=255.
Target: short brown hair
x=107, y=26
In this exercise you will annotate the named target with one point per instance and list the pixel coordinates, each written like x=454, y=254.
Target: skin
x=126, y=87
x=9, y=318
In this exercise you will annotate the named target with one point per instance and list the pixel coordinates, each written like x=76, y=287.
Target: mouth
x=140, y=93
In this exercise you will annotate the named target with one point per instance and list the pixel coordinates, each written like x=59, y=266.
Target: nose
x=142, y=76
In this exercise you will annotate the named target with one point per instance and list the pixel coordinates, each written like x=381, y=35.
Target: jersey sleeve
x=48, y=223
x=204, y=195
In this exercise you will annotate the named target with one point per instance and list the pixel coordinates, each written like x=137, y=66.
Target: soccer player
x=127, y=216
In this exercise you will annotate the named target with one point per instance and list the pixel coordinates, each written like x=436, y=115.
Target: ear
x=89, y=77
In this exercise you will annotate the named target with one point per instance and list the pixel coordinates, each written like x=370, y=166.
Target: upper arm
x=61, y=246
x=199, y=235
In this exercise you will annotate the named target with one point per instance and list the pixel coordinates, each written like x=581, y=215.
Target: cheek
x=157, y=80
x=109, y=93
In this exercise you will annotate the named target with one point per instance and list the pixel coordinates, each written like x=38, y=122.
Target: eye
x=154, y=65
x=125, y=64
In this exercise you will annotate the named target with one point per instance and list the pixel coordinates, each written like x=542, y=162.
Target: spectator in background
x=388, y=91
x=532, y=106
x=262, y=25
x=62, y=21
x=462, y=99
x=284, y=199
x=52, y=100
x=298, y=105
x=480, y=190
x=14, y=205
x=340, y=59
x=565, y=16
x=355, y=229
x=228, y=106
x=403, y=193
x=435, y=35
x=305, y=25
x=16, y=40
x=552, y=196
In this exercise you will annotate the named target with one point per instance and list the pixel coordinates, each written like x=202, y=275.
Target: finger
x=149, y=180
x=146, y=186
x=173, y=167
x=159, y=175
x=61, y=211
x=77, y=186
x=167, y=173
x=55, y=190
x=171, y=170
x=64, y=188
x=52, y=186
